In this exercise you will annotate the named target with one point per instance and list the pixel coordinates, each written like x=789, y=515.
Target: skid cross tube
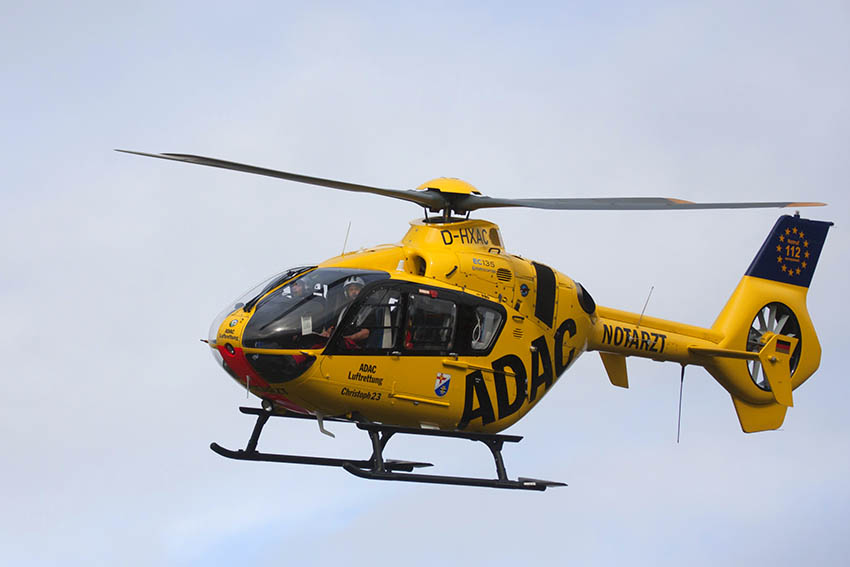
x=376, y=467
x=493, y=442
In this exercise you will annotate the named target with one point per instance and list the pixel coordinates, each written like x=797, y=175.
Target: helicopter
x=447, y=334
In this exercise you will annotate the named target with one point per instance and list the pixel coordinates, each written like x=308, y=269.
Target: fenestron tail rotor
x=775, y=318
x=447, y=195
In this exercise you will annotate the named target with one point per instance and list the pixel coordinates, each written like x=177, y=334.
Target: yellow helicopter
x=447, y=334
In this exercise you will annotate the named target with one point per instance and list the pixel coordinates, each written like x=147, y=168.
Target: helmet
x=354, y=280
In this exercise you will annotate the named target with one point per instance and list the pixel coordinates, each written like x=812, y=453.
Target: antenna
x=681, y=387
x=644, y=305
x=346, y=238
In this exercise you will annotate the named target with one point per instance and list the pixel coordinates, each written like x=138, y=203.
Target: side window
x=487, y=324
x=430, y=325
x=373, y=324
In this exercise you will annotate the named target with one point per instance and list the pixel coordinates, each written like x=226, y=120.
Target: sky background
x=113, y=266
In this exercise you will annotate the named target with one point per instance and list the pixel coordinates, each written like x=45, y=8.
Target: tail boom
x=763, y=343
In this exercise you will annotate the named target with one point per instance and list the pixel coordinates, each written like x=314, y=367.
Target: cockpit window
x=252, y=296
x=373, y=324
x=270, y=284
x=302, y=313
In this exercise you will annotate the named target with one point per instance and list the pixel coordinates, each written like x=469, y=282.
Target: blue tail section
x=791, y=251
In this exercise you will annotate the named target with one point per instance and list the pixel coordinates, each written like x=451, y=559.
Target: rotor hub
x=449, y=185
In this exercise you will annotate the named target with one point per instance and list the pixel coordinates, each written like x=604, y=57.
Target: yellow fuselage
x=547, y=322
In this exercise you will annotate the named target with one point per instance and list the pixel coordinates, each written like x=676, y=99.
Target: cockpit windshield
x=303, y=313
x=252, y=296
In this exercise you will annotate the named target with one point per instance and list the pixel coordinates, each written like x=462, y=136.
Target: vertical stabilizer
x=767, y=315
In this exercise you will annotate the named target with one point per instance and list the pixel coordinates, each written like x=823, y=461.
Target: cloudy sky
x=113, y=266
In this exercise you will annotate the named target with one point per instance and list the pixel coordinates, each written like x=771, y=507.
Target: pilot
x=352, y=287
x=358, y=331
x=305, y=309
x=297, y=290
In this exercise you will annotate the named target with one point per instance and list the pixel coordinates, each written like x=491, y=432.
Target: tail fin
x=766, y=322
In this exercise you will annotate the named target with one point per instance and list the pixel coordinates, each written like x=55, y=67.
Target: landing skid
x=378, y=468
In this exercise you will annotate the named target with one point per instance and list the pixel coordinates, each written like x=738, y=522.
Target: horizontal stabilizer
x=723, y=352
x=615, y=366
x=773, y=359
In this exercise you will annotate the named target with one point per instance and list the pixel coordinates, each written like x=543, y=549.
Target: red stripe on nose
x=242, y=368
x=239, y=364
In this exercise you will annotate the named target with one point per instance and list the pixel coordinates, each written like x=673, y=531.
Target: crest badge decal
x=441, y=386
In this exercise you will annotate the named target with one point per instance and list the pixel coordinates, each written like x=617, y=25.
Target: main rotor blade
x=474, y=202
x=465, y=203
x=424, y=198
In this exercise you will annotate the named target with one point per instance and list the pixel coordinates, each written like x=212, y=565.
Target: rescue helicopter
x=448, y=334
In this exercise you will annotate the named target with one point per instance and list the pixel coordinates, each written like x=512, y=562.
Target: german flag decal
x=783, y=346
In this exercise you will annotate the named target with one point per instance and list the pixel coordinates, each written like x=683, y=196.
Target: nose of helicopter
x=225, y=339
x=227, y=326
x=254, y=371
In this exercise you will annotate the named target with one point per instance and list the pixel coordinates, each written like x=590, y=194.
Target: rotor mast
x=450, y=190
